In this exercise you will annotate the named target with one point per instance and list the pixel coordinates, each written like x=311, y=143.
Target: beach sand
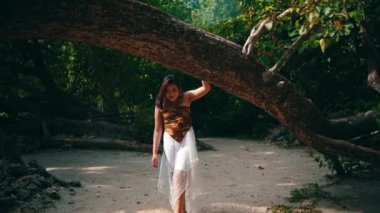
x=239, y=176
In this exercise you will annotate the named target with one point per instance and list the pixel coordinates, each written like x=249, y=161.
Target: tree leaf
x=323, y=44
x=356, y=14
x=268, y=8
x=269, y=25
x=313, y=18
x=302, y=30
x=327, y=11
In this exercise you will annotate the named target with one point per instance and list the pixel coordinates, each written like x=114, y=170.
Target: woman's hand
x=154, y=160
x=157, y=133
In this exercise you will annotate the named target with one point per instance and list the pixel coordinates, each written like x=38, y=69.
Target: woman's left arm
x=195, y=94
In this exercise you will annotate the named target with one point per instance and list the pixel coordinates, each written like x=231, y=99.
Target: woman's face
x=172, y=92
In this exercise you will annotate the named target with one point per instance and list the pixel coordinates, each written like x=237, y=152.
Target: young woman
x=178, y=175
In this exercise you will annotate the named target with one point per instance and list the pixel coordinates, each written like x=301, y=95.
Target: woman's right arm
x=195, y=94
x=157, y=133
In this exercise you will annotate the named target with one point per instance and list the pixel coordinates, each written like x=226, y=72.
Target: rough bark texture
x=372, y=56
x=141, y=30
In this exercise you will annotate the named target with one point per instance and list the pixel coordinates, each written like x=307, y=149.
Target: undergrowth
x=309, y=195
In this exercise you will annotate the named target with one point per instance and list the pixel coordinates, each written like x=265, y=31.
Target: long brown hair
x=168, y=80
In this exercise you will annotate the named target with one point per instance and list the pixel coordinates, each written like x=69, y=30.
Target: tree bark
x=353, y=126
x=141, y=30
x=372, y=57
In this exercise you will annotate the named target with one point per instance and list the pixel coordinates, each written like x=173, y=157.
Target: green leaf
x=268, y=8
x=269, y=25
x=327, y=11
x=302, y=30
x=323, y=44
x=318, y=8
x=347, y=29
x=332, y=33
x=356, y=14
x=313, y=18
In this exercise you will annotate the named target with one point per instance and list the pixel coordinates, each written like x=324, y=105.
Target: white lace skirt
x=178, y=170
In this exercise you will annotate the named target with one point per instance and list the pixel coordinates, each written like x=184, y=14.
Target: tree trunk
x=141, y=30
x=91, y=128
x=353, y=126
x=372, y=56
x=108, y=143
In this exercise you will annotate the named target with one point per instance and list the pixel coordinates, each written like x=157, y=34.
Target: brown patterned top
x=177, y=121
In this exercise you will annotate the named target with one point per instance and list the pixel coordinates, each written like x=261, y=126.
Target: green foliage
x=232, y=29
x=178, y=8
x=329, y=68
x=143, y=125
x=311, y=192
x=333, y=19
x=291, y=209
x=119, y=85
x=222, y=115
x=284, y=138
x=8, y=148
x=209, y=13
x=281, y=209
x=334, y=79
x=342, y=166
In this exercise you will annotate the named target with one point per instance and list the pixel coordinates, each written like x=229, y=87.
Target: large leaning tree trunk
x=141, y=30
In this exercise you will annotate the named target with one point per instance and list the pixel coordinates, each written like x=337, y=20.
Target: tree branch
x=287, y=55
x=372, y=56
x=353, y=126
x=258, y=29
x=143, y=31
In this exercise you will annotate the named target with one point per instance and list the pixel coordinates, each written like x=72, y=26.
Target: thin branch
x=255, y=33
x=361, y=137
x=285, y=13
x=373, y=78
x=289, y=53
x=334, y=147
x=258, y=29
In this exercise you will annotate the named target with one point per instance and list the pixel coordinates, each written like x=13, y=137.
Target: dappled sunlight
x=236, y=207
x=154, y=211
x=49, y=169
x=217, y=155
x=235, y=180
x=264, y=153
x=103, y=186
x=286, y=184
x=269, y=153
x=119, y=211
x=86, y=170
x=96, y=169
x=282, y=168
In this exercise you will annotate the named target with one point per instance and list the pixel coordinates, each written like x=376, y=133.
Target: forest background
x=44, y=80
x=63, y=93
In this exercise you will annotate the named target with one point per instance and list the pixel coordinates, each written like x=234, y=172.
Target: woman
x=179, y=160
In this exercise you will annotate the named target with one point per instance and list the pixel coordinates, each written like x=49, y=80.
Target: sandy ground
x=122, y=182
